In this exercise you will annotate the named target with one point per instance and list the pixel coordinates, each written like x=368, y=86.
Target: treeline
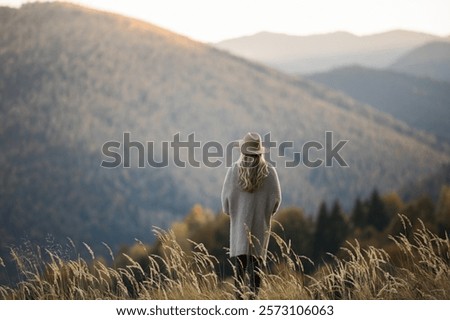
x=316, y=239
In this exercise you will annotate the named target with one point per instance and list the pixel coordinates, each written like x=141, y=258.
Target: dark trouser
x=247, y=266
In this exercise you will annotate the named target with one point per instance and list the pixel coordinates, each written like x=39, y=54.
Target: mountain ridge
x=431, y=60
x=317, y=53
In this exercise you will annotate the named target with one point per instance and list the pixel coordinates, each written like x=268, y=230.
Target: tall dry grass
x=420, y=271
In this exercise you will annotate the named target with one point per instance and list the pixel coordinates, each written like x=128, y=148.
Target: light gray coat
x=250, y=213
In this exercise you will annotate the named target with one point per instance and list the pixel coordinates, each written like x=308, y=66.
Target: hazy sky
x=211, y=21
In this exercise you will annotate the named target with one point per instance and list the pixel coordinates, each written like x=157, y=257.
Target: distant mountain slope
x=431, y=185
x=430, y=60
x=420, y=102
x=73, y=79
x=318, y=53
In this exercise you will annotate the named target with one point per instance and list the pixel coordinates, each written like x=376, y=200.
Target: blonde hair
x=253, y=169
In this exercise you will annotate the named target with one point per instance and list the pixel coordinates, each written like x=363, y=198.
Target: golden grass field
x=420, y=272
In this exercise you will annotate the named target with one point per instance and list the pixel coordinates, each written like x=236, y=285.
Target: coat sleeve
x=276, y=191
x=226, y=189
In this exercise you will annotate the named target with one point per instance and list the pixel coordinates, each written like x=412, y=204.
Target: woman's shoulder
x=271, y=168
x=234, y=165
x=233, y=169
x=273, y=175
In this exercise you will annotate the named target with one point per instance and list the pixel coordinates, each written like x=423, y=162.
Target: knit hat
x=251, y=144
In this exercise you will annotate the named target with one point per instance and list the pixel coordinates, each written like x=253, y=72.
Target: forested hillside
x=422, y=103
x=431, y=60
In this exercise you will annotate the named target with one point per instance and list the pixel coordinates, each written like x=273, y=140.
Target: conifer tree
x=377, y=215
x=359, y=214
x=443, y=211
x=338, y=227
x=321, y=232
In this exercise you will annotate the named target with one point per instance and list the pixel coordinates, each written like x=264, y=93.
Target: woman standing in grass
x=251, y=195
